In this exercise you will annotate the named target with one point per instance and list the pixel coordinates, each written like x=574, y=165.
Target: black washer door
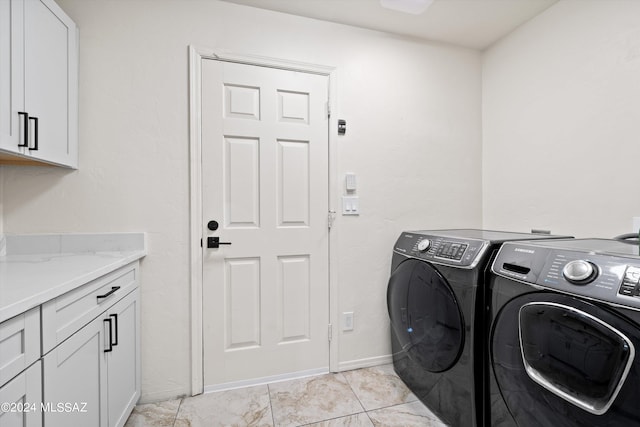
x=562, y=361
x=425, y=315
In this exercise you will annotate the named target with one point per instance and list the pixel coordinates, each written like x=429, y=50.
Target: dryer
x=564, y=334
x=437, y=315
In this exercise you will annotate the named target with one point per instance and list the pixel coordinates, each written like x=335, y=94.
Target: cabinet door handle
x=115, y=318
x=35, y=137
x=26, y=129
x=113, y=289
x=107, y=350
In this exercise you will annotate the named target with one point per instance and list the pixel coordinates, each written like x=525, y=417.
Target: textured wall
x=1, y=199
x=413, y=139
x=561, y=121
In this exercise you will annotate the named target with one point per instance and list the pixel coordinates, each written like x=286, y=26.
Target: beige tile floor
x=364, y=397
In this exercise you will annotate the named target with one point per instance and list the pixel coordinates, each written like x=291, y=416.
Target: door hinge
x=328, y=109
x=331, y=217
x=330, y=332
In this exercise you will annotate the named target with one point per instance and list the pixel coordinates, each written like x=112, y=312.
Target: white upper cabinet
x=38, y=84
x=11, y=74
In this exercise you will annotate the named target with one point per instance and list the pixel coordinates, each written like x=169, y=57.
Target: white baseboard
x=265, y=380
x=364, y=363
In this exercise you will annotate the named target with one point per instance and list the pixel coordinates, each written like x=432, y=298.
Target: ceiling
x=470, y=23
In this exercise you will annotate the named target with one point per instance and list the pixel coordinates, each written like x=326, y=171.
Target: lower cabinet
x=123, y=362
x=92, y=379
x=75, y=374
x=19, y=344
x=21, y=399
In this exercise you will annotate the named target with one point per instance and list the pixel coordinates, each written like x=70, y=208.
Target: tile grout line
x=392, y=406
x=353, y=391
x=273, y=417
x=369, y=416
x=175, y=418
x=365, y=411
x=331, y=419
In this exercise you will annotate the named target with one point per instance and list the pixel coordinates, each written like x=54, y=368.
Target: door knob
x=214, y=242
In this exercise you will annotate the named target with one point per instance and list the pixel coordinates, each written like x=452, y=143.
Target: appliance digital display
x=451, y=250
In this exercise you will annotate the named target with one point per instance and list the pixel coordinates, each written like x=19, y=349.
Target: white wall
x=561, y=121
x=413, y=139
x=1, y=198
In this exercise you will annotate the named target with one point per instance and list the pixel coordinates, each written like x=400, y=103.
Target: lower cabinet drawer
x=63, y=316
x=21, y=399
x=19, y=343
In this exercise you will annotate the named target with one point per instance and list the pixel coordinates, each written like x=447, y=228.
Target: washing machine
x=564, y=334
x=437, y=316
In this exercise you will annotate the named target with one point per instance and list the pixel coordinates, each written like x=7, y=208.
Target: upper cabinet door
x=50, y=81
x=11, y=75
x=39, y=71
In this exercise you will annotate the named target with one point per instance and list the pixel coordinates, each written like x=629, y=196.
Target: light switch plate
x=350, y=205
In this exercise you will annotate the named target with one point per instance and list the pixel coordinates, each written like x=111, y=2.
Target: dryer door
x=563, y=361
x=425, y=316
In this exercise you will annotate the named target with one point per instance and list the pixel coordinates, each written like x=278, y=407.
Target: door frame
x=196, y=55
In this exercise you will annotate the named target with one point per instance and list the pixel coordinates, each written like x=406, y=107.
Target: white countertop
x=37, y=268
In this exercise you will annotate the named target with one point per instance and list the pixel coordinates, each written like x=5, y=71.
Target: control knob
x=580, y=272
x=423, y=245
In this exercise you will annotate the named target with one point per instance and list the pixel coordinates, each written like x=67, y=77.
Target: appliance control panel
x=597, y=276
x=441, y=249
x=630, y=282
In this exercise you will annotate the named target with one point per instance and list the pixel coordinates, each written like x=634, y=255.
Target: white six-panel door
x=265, y=183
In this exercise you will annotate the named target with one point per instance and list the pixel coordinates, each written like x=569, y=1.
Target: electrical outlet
x=347, y=321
